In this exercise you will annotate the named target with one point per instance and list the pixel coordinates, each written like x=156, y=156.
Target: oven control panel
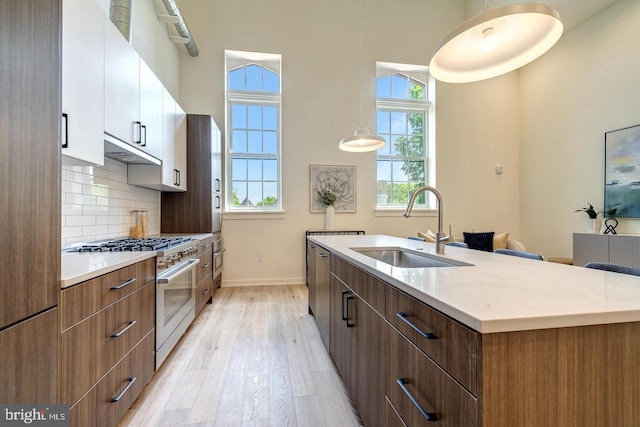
x=168, y=261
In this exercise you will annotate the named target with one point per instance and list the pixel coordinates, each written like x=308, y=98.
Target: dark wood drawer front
x=204, y=268
x=96, y=408
x=205, y=245
x=81, y=370
x=436, y=394
x=368, y=287
x=80, y=301
x=452, y=345
x=203, y=293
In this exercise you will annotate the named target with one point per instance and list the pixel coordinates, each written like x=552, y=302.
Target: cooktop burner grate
x=121, y=245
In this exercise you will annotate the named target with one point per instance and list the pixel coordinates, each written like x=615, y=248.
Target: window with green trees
x=402, y=108
x=253, y=135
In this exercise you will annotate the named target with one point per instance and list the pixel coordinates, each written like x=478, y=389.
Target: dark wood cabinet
x=421, y=391
x=319, y=289
x=30, y=115
x=30, y=102
x=358, y=344
x=28, y=372
x=198, y=210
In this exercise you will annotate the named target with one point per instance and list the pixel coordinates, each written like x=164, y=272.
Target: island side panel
x=574, y=377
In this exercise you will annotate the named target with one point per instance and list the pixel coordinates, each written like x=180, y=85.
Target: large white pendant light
x=495, y=42
x=362, y=140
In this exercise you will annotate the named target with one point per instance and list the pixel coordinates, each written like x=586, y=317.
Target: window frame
x=271, y=99
x=426, y=107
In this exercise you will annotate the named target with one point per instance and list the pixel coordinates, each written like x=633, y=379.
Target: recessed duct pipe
x=120, y=15
x=181, y=26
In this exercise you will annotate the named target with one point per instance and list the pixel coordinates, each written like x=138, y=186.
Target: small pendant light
x=497, y=41
x=362, y=140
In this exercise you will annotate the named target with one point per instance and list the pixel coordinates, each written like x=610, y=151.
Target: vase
x=594, y=225
x=328, y=218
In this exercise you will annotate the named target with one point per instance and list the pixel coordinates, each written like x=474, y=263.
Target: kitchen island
x=503, y=341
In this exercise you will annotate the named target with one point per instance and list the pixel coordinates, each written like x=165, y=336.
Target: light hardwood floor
x=253, y=357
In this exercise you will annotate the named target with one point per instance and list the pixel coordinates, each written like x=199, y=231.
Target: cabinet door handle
x=138, y=126
x=218, y=204
x=344, y=316
x=118, y=397
x=206, y=292
x=323, y=255
x=206, y=265
x=349, y=298
x=175, y=177
x=218, y=186
x=429, y=416
x=427, y=335
x=117, y=334
x=312, y=246
x=65, y=129
x=144, y=130
x=123, y=284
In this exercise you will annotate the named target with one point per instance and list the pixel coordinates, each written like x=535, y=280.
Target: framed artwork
x=339, y=180
x=622, y=171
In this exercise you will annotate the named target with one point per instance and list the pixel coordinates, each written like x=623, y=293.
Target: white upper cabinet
x=83, y=26
x=172, y=175
x=151, y=89
x=121, y=88
x=180, y=149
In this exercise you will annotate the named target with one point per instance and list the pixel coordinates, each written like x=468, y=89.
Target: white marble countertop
x=501, y=293
x=78, y=267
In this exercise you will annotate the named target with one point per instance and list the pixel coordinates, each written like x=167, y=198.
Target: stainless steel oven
x=218, y=256
x=175, y=299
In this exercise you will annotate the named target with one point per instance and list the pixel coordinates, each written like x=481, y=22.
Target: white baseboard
x=263, y=282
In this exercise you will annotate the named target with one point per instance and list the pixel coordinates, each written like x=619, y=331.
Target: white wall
x=586, y=85
x=477, y=124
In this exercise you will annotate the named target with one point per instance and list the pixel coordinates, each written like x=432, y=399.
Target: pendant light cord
x=361, y=69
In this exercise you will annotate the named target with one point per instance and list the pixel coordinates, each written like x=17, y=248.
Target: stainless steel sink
x=408, y=258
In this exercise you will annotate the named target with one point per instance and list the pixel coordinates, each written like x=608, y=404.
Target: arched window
x=402, y=120
x=253, y=132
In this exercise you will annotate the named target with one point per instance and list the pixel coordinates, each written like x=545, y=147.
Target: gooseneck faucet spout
x=440, y=237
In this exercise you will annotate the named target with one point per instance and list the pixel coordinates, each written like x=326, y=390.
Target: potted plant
x=327, y=198
x=594, y=224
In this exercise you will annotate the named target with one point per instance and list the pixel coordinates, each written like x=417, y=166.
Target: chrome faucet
x=440, y=237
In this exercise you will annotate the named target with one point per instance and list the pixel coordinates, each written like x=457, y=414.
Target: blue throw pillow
x=480, y=241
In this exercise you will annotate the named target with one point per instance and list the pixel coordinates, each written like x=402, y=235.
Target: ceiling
x=572, y=12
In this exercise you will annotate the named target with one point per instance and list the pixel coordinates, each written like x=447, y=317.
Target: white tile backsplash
x=97, y=203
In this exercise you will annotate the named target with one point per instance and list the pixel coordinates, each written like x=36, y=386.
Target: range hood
x=121, y=151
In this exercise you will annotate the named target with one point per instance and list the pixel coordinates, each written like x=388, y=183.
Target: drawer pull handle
x=344, y=316
x=349, y=298
x=323, y=255
x=429, y=416
x=117, y=334
x=206, y=292
x=427, y=335
x=118, y=397
x=122, y=285
x=206, y=265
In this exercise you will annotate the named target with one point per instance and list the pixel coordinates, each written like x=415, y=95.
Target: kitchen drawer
x=96, y=408
x=88, y=350
x=204, y=268
x=453, y=346
x=86, y=298
x=369, y=288
x=204, y=245
x=392, y=419
x=437, y=393
x=203, y=293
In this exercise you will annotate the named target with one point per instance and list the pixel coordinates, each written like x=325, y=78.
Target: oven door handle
x=188, y=265
x=218, y=253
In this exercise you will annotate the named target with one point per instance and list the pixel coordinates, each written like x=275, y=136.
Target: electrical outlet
x=260, y=258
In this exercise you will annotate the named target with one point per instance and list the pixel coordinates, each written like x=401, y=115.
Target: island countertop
x=500, y=293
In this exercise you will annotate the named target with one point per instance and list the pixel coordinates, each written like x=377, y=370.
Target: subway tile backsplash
x=97, y=203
